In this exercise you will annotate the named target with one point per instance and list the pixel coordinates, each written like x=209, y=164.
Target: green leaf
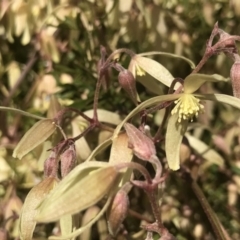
x=174, y=136
x=195, y=80
x=29, y=212
x=190, y=62
x=9, y=109
x=75, y=193
x=88, y=225
x=37, y=134
x=203, y=150
x=54, y=107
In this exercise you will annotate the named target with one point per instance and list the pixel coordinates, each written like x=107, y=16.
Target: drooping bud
x=227, y=42
x=68, y=160
x=235, y=78
x=128, y=83
x=51, y=166
x=143, y=147
x=118, y=212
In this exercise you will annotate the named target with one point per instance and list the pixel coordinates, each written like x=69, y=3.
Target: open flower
x=188, y=106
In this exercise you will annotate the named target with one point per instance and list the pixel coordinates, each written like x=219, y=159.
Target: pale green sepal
x=203, y=150
x=174, y=136
x=120, y=152
x=29, y=211
x=151, y=84
x=79, y=195
x=222, y=98
x=66, y=225
x=195, y=80
x=155, y=69
x=36, y=135
x=88, y=225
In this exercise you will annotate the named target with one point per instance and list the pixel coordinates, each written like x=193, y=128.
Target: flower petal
x=174, y=136
x=195, y=80
x=155, y=69
x=222, y=98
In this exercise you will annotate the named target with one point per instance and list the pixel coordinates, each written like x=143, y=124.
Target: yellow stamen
x=187, y=107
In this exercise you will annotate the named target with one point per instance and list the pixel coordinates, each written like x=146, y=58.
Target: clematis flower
x=188, y=107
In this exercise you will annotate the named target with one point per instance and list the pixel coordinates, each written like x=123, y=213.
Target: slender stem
x=208, y=210
x=155, y=160
x=139, y=216
x=62, y=132
x=96, y=97
x=120, y=50
x=206, y=56
x=210, y=51
x=153, y=199
x=80, y=113
x=103, y=68
x=138, y=167
x=23, y=75
x=91, y=127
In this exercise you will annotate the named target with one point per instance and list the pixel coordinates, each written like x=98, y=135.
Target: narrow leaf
x=54, y=107
x=82, y=194
x=190, y=62
x=18, y=111
x=174, y=136
x=88, y=225
x=203, y=149
x=37, y=134
x=33, y=199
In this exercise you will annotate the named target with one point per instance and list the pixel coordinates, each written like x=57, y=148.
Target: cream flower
x=187, y=107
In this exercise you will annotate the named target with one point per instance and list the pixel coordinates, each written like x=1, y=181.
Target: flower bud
x=118, y=212
x=51, y=165
x=68, y=160
x=227, y=41
x=143, y=147
x=235, y=78
x=128, y=83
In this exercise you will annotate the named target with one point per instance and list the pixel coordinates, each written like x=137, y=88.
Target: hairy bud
x=68, y=160
x=128, y=83
x=118, y=212
x=51, y=165
x=143, y=147
x=235, y=78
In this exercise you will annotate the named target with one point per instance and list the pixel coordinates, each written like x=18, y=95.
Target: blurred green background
x=52, y=47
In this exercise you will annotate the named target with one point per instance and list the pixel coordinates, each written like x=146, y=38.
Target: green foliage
x=105, y=105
